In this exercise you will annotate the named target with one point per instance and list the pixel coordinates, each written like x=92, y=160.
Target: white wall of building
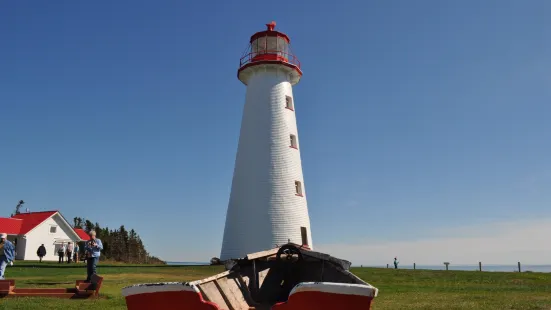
x=263, y=209
x=20, y=248
x=42, y=235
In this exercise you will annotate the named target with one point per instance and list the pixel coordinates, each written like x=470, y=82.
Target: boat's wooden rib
x=262, y=254
x=211, y=293
x=209, y=279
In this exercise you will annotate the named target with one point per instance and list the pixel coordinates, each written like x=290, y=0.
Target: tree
x=21, y=202
x=77, y=222
x=88, y=226
x=120, y=244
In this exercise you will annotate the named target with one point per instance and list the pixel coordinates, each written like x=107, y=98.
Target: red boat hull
x=328, y=296
x=305, y=296
x=166, y=296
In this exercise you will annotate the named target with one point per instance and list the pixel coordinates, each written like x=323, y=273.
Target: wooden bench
x=81, y=290
x=328, y=296
x=92, y=287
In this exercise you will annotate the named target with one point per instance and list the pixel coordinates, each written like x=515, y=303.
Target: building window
x=53, y=229
x=304, y=234
x=298, y=188
x=293, y=141
x=289, y=103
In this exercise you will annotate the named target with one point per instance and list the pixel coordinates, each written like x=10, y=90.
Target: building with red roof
x=31, y=229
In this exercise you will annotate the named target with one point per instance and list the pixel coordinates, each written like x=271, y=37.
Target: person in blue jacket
x=93, y=251
x=7, y=254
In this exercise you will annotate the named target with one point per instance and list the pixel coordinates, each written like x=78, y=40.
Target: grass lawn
x=398, y=289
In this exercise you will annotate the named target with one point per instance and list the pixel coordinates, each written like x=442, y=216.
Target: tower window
x=293, y=141
x=298, y=188
x=304, y=235
x=289, y=103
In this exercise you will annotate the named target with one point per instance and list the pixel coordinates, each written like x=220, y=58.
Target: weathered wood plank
x=211, y=278
x=233, y=293
x=262, y=254
x=211, y=292
x=243, y=283
x=261, y=276
x=245, y=279
x=228, y=301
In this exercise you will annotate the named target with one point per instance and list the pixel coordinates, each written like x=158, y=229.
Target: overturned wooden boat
x=284, y=278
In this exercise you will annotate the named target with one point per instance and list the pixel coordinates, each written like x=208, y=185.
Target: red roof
x=82, y=234
x=10, y=226
x=22, y=223
x=32, y=219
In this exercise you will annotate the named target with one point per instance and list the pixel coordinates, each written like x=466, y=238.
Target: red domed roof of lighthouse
x=270, y=32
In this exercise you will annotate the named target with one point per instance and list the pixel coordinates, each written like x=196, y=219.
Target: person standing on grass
x=93, y=248
x=395, y=263
x=75, y=255
x=69, y=252
x=61, y=252
x=7, y=254
x=41, y=252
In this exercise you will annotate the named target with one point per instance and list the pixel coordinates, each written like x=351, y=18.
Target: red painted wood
x=4, y=287
x=54, y=295
x=7, y=283
x=44, y=291
x=311, y=300
x=171, y=300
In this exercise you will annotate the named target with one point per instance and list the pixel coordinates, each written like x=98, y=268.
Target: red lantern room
x=272, y=48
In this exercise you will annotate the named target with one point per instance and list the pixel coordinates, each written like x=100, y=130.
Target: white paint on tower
x=267, y=205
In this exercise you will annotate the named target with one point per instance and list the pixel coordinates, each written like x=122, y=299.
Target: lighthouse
x=267, y=205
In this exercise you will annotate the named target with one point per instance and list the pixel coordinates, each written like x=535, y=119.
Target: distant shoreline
x=490, y=268
x=187, y=263
x=494, y=268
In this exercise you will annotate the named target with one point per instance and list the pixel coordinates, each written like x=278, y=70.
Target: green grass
x=430, y=289
x=398, y=289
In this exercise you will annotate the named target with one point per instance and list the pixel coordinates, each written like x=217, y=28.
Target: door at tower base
x=289, y=277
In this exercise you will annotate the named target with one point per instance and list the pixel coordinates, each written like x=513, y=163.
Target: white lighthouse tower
x=267, y=205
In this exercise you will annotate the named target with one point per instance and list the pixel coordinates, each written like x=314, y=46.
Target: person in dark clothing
x=61, y=252
x=41, y=252
x=69, y=252
x=395, y=263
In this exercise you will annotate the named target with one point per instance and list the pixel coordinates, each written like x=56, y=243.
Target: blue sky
x=415, y=118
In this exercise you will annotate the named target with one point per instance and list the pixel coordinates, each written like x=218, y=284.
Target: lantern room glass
x=270, y=45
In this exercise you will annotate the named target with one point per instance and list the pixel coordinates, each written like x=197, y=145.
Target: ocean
x=495, y=268
x=187, y=263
